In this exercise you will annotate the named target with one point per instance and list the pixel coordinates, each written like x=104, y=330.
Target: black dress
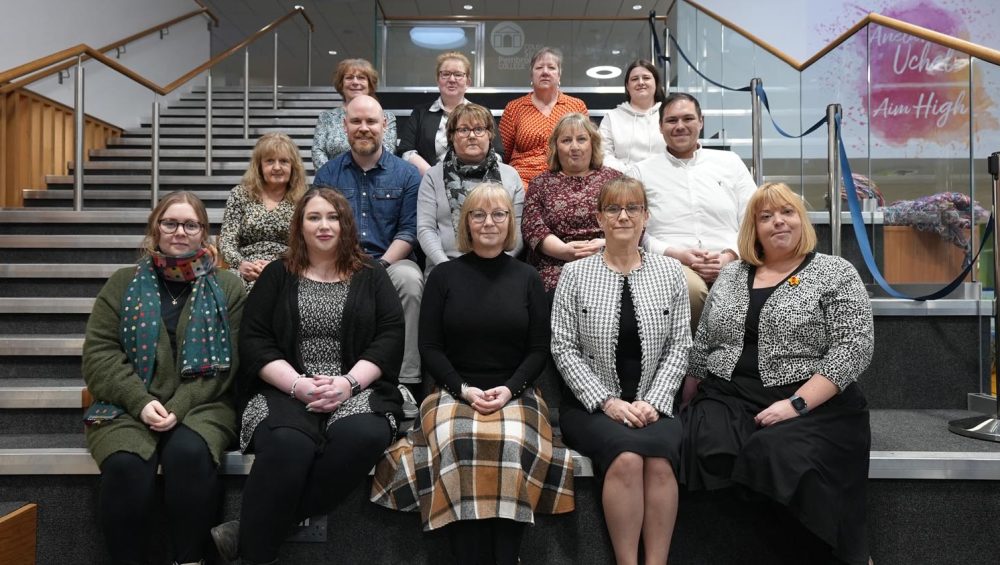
x=599, y=437
x=814, y=465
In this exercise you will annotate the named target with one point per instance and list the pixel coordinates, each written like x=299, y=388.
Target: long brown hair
x=348, y=256
x=150, y=242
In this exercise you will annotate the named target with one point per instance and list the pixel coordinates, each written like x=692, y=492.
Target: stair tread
x=59, y=270
x=46, y=305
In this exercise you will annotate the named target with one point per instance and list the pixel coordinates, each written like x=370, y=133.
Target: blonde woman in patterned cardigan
x=620, y=337
x=784, y=336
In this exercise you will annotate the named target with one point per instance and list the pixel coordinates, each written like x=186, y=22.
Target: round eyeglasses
x=170, y=226
x=479, y=216
x=477, y=131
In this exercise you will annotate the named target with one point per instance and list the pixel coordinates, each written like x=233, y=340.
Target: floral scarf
x=459, y=179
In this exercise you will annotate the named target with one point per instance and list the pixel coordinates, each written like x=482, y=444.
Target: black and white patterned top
x=818, y=321
x=251, y=232
x=321, y=310
x=585, y=319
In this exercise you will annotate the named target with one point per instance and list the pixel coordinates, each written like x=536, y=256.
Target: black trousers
x=292, y=478
x=127, y=507
x=485, y=542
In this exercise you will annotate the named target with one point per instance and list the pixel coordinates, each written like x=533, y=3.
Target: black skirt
x=816, y=465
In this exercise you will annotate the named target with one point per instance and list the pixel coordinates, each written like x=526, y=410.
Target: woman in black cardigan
x=423, y=139
x=323, y=343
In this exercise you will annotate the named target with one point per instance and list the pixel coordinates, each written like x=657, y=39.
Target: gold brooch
x=794, y=281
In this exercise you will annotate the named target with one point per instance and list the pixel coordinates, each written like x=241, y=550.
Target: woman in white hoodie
x=631, y=131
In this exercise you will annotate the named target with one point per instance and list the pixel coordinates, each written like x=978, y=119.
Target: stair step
x=242, y=155
x=317, y=105
x=198, y=142
x=46, y=305
x=167, y=166
x=171, y=121
x=70, y=241
x=165, y=180
x=66, y=345
x=238, y=112
x=58, y=271
x=43, y=393
x=304, y=131
x=330, y=95
x=124, y=216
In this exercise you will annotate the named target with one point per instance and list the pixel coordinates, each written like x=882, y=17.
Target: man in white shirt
x=697, y=199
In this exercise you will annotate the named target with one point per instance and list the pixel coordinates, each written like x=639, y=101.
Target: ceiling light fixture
x=637, y=7
x=438, y=37
x=467, y=7
x=616, y=51
x=604, y=72
x=332, y=52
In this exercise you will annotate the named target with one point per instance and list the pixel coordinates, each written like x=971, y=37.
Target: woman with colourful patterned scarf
x=158, y=359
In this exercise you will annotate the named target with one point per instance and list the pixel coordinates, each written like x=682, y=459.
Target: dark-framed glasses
x=479, y=216
x=457, y=75
x=477, y=131
x=613, y=210
x=170, y=226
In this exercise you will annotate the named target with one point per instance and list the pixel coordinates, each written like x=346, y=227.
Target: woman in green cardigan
x=158, y=359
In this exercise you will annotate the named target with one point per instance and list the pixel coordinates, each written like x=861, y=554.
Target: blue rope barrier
x=857, y=221
x=660, y=57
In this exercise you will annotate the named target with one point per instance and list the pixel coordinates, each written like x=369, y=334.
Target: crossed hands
x=157, y=417
x=323, y=393
x=250, y=270
x=704, y=262
x=637, y=414
x=487, y=401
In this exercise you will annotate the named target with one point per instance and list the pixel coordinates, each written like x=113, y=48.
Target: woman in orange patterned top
x=528, y=121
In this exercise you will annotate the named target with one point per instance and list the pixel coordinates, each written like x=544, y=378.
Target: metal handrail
x=84, y=49
x=111, y=46
x=960, y=45
x=77, y=54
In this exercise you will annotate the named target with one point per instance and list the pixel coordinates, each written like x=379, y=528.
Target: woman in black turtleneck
x=484, y=434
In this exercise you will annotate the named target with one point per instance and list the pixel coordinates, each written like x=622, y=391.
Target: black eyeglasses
x=477, y=131
x=170, y=226
x=614, y=210
x=479, y=216
x=457, y=75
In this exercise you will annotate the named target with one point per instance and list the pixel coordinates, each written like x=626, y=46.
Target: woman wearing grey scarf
x=470, y=161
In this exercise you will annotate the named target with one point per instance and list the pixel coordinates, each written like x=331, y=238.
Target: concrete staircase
x=931, y=491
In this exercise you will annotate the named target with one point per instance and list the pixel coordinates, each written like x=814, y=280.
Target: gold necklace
x=174, y=299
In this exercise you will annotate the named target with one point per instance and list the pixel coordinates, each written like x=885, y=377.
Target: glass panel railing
x=985, y=139
x=595, y=52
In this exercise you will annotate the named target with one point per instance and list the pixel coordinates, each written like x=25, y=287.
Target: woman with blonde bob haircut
x=777, y=412
x=560, y=209
x=259, y=209
x=483, y=461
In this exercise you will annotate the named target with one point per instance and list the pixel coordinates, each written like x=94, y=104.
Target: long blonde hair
x=275, y=144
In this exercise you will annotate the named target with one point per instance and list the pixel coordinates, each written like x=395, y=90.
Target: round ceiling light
x=604, y=72
x=436, y=37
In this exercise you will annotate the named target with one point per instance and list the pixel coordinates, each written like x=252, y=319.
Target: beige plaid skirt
x=462, y=465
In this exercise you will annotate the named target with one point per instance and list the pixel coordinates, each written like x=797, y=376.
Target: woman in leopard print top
x=784, y=336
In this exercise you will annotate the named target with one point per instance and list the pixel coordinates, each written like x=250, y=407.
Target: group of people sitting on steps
x=695, y=337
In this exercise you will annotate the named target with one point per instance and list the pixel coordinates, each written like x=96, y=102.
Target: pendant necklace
x=174, y=299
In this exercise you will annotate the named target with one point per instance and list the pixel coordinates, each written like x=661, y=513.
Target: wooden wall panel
x=18, y=536
x=36, y=139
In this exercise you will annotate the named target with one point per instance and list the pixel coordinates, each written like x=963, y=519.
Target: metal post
x=652, y=43
x=833, y=177
x=274, y=89
x=987, y=427
x=78, y=126
x=757, y=133
x=154, y=193
x=246, y=93
x=665, y=65
x=208, y=124
x=309, y=58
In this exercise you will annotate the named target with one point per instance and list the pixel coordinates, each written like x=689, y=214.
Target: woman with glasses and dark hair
x=424, y=139
x=528, y=121
x=620, y=337
x=321, y=347
x=161, y=389
x=631, y=132
x=483, y=460
x=470, y=161
x=353, y=78
x=559, y=223
x=259, y=209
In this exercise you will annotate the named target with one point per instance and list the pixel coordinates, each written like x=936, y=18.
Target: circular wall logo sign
x=507, y=38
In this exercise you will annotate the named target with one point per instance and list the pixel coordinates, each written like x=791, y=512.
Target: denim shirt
x=384, y=198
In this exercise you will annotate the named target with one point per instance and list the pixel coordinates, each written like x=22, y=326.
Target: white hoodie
x=630, y=135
